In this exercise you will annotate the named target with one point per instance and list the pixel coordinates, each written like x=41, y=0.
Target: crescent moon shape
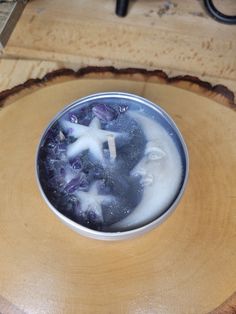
x=160, y=170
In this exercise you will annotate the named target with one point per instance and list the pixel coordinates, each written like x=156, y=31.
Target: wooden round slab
x=187, y=265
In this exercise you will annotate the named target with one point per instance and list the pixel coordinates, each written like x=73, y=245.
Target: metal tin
x=101, y=235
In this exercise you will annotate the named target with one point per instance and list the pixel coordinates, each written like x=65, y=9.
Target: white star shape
x=89, y=137
x=91, y=200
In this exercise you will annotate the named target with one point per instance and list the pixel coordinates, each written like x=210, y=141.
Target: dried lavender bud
x=61, y=147
x=76, y=163
x=70, y=204
x=93, y=220
x=104, y=112
x=51, y=145
x=56, y=182
x=78, y=183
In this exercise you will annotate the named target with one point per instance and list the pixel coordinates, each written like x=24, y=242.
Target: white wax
x=160, y=170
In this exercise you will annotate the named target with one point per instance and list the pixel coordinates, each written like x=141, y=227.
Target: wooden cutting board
x=187, y=265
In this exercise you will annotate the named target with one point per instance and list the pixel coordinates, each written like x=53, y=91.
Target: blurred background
x=178, y=37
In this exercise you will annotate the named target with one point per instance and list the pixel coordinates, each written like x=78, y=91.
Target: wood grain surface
x=10, y=12
x=176, y=36
x=219, y=93
x=187, y=265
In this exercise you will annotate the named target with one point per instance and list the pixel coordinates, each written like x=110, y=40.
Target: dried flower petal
x=78, y=183
x=76, y=163
x=104, y=112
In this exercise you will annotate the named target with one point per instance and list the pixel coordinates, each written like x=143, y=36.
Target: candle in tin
x=111, y=164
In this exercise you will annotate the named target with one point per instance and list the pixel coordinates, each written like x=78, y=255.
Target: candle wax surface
x=114, y=189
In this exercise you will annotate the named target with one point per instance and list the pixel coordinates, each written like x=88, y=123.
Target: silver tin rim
x=100, y=235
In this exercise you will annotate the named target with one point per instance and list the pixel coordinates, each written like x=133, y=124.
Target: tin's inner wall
x=83, y=180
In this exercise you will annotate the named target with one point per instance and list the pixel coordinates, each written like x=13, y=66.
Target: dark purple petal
x=51, y=145
x=76, y=163
x=69, y=204
x=92, y=215
x=93, y=220
x=56, y=182
x=78, y=183
x=52, y=134
x=61, y=147
x=104, y=112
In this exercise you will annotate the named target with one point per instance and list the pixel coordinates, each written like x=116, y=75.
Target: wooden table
x=10, y=12
x=177, y=37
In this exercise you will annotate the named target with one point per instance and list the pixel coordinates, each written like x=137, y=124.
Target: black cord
x=216, y=14
x=122, y=7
